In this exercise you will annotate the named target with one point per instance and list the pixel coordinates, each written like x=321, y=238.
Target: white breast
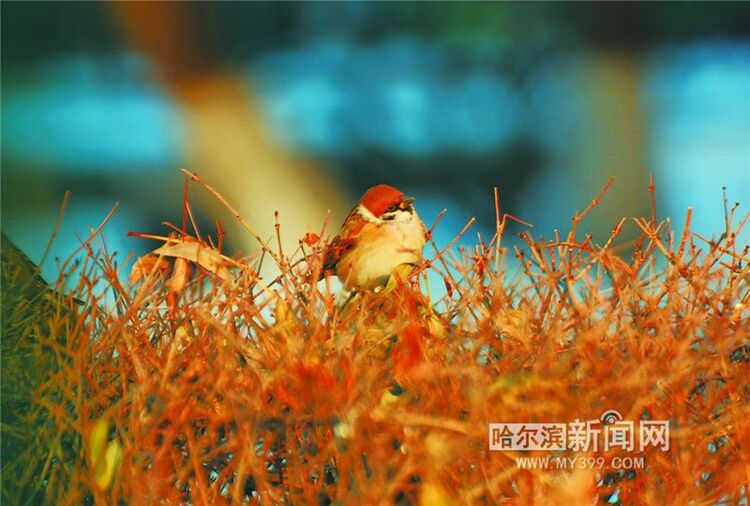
x=399, y=241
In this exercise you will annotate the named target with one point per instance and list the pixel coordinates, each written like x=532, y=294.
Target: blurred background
x=300, y=107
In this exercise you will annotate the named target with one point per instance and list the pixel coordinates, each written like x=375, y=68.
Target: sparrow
x=381, y=233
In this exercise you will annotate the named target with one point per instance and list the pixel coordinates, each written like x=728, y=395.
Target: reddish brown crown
x=379, y=198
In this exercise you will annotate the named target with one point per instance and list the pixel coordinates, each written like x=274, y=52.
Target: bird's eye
x=391, y=208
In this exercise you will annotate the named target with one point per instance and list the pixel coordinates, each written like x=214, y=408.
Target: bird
x=381, y=233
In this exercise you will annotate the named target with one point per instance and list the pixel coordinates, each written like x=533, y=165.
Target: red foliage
x=222, y=389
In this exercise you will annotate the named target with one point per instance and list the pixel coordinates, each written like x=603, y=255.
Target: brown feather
x=343, y=242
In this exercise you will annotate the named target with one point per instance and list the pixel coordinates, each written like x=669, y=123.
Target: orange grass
x=234, y=389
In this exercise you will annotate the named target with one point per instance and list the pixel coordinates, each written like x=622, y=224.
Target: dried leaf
x=145, y=265
x=205, y=256
x=180, y=275
x=311, y=239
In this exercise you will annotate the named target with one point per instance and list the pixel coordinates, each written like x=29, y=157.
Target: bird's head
x=387, y=203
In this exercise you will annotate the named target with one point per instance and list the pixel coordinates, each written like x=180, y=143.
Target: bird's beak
x=405, y=203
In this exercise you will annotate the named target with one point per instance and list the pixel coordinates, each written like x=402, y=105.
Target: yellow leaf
x=434, y=495
x=106, y=472
x=97, y=440
x=519, y=381
x=435, y=325
x=103, y=461
x=399, y=275
x=388, y=400
x=438, y=448
x=343, y=430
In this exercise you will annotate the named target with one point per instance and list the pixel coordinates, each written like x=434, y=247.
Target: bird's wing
x=343, y=242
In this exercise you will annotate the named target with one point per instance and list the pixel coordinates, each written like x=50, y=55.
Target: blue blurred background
x=299, y=107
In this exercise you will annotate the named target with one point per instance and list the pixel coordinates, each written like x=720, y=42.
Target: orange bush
x=204, y=384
